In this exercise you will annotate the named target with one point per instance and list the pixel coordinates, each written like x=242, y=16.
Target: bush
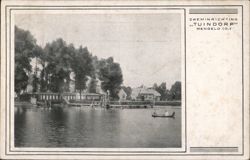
x=25, y=97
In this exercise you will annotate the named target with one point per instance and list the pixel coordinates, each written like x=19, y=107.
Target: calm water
x=88, y=127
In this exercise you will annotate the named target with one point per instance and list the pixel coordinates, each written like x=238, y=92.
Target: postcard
x=124, y=79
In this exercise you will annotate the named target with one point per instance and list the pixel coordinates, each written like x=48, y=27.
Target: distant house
x=88, y=96
x=122, y=95
x=145, y=94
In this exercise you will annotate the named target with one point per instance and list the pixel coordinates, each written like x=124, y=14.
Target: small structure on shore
x=68, y=98
x=122, y=95
x=145, y=94
x=49, y=99
x=67, y=95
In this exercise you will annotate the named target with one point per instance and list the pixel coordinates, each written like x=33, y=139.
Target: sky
x=147, y=47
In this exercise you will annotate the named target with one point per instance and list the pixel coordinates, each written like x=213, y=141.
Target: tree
x=162, y=89
x=128, y=91
x=92, y=85
x=38, y=53
x=25, y=45
x=82, y=66
x=155, y=86
x=21, y=80
x=110, y=74
x=35, y=82
x=57, y=61
x=43, y=77
x=175, y=91
x=57, y=66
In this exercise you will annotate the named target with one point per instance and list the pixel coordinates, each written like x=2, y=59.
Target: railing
x=87, y=102
x=131, y=102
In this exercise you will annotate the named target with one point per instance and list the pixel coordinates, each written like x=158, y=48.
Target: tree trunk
x=80, y=94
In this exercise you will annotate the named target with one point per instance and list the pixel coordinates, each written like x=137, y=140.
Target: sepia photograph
x=124, y=80
x=110, y=80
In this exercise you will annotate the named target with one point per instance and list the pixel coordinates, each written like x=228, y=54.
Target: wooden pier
x=131, y=104
x=49, y=99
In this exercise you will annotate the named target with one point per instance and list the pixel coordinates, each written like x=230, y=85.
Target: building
x=122, y=95
x=145, y=94
x=89, y=96
x=85, y=93
x=42, y=96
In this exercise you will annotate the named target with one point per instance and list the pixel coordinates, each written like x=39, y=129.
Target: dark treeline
x=58, y=62
x=173, y=94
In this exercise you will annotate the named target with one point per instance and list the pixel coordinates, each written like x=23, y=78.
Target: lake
x=96, y=127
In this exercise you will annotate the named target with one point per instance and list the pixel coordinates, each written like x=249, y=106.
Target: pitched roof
x=143, y=90
x=122, y=91
x=150, y=91
x=125, y=90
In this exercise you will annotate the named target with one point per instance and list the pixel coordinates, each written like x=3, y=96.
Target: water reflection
x=88, y=127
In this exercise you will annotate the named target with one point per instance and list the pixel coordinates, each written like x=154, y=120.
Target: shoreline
x=163, y=104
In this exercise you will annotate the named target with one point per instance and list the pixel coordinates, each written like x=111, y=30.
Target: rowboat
x=163, y=115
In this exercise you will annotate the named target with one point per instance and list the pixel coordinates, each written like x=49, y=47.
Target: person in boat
x=107, y=106
x=166, y=113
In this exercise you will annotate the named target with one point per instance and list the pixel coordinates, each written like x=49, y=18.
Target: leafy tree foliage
x=110, y=74
x=82, y=67
x=38, y=52
x=92, y=85
x=25, y=45
x=57, y=60
x=58, y=57
x=128, y=91
x=173, y=94
x=175, y=91
x=35, y=83
x=162, y=89
x=21, y=80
